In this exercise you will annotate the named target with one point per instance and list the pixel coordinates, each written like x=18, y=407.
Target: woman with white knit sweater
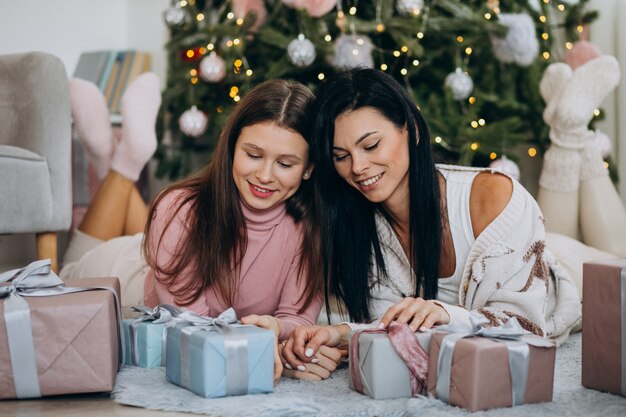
x=414, y=242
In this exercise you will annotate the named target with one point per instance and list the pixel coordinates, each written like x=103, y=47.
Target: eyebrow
x=292, y=157
x=359, y=140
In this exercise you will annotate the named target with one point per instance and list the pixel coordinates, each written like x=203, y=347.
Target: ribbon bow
x=35, y=280
x=511, y=333
x=161, y=314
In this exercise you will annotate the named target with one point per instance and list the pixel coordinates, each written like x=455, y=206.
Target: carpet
x=148, y=388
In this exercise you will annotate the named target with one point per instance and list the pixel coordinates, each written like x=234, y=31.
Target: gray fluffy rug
x=332, y=398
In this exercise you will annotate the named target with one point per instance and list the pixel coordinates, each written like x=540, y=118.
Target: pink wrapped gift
x=501, y=368
x=604, y=326
x=71, y=344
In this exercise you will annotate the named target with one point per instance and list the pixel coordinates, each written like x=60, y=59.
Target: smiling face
x=269, y=164
x=371, y=154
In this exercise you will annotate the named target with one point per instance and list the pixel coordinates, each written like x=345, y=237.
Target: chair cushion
x=25, y=191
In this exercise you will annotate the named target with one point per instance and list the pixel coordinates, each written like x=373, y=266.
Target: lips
x=370, y=182
x=260, y=192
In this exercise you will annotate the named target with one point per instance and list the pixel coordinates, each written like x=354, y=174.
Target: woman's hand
x=303, y=345
x=274, y=324
x=321, y=367
x=420, y=314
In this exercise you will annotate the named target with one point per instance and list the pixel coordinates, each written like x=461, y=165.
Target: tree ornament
x=520, y=45
x=581, y=52
x=353, y=51
x=314, y=8
x=241, y=9
x=174, y=16
x=602, y=143
x=410, y=7
x=212, y=68
x=460, y=84
x=535, y=5
x=193, y=122
x=493, y=4
x=301, y=51
x=506, y=166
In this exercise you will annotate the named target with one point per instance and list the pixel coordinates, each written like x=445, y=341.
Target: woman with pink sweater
x=230, y=236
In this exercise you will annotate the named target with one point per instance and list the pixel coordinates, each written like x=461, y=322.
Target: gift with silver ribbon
x=216, y=357
x=146, y=335
x=44, y=336
x=604, y=321
x=488, y=367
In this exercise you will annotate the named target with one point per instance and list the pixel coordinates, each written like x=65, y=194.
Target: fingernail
x=308, y=353
x=381, y=325
x=288, y=366
x=315, y=360
x=301, y=368
x=424, y=329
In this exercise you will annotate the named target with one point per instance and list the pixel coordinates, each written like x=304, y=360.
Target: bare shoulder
x=490, y=194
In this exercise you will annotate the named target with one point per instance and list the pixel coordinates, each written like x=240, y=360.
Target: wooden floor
x=79, y=406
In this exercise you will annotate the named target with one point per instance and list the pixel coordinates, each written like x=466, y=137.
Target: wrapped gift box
x=212, y=364
x=480, y=377
x=604, y=326
x=75, y=337
x=384, y=374
x=144, y=349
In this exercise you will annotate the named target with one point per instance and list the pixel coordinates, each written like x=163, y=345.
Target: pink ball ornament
x=241, y=8
x=581, y=52
x=193, y=122
x=602, y=143
x=506, y=166
x=314, y=8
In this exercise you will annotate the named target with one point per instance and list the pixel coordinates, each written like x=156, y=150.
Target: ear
x=308, y=171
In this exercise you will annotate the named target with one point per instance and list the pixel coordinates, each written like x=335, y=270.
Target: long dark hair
x=217, y=242
x=348, y=224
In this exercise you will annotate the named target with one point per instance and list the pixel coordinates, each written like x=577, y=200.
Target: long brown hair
x=216, y=242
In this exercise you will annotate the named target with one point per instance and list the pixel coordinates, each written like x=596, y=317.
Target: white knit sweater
x=508, y=273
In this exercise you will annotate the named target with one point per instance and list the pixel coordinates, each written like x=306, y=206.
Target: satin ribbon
x=235, y=347
x=161, y=314
x=405, y=344
x=511, y=334
x=623, y=288
x=35, y=280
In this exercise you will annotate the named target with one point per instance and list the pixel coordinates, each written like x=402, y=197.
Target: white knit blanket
x=332, y=398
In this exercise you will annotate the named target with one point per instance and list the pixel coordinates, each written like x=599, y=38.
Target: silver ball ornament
x=460, y=84
x=602, y=143
x=410, y=7
x=520, y=45
x=506, y=166
x=174, y=16
x=193, y=122
x=212, y=68
x=353, y=51
x=301, y=51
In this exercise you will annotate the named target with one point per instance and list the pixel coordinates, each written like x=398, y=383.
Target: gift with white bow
x=217, y=357
x=57, y=337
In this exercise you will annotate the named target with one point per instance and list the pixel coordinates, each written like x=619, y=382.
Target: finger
x=306, y=376
x=278, y=366
x=291, y=360
x=410, y=311
x=418, y=320
x=320, y=338
x=331, y=353
x=393, y=311
x=320, y=371
x=326, y=362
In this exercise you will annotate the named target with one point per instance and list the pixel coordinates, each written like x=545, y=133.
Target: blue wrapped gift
x=217, y=357
x=145, y=335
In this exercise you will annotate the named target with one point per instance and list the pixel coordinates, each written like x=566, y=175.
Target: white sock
x=561, y=170
x=592, y=164
x=140, y=106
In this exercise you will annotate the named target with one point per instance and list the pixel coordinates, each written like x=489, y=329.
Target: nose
x=359, y=164
x=265, y=173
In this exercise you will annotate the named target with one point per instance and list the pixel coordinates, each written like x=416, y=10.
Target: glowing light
x=229, y=43
x=542, y=19
x=236, y=98
x=203, y=50
x=420, y=35
x=320, y=76
x=236, y=41
x=200, y=17
x=183, y=3
x=383, y=67
x=569, y=45
x=468, y=50
x=380, y=27
x=416, y=62
x=239, y=21
x=193, y=72
x=438, y=139
x=545, y=36
x=474, y=124
x=546, y=55
x=249, y=72
x=404, y=49
x=340, y=14
x=238, y=63
x=481, y=122
x=580, y=28
x=396, y=53
x=606, y=165
x=210, y=47
x=472, y=100
x=474, y=146
x=459, y=39
x=352, y=11
x=488, y=16
x=360, y=41
x=493, y=155
x=230, y=15
x=194, y=80
x=403, y=71
x=532, y=152
x=560, y=7
x=596, y=112
x=220, y=109
x=355, y=52
x=190, y=53
x=328, y=38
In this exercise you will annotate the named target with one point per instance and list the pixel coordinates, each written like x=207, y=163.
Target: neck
x=397, y=206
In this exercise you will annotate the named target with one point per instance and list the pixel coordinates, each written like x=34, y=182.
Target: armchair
x=35, y=149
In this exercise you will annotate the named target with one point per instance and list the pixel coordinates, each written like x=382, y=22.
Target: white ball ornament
x=193, y=122
x=174, y=16
x=460, y=84
x=353, y=51
x=506, y=166
x=212, y=68
x=301, y=51
x=602, y=143
x=520, y=45
x=410, y=7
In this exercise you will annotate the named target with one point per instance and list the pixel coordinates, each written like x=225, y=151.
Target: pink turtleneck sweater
x=268, y=283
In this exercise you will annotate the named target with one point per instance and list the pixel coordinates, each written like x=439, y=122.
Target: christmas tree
x=473, y=67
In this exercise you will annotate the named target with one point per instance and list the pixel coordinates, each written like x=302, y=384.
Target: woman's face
x=269, y=164
x=371, y=154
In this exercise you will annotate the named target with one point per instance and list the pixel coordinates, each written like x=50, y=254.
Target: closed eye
x=253, y=156
x=372, y=147
x=285, y=165
x=339, y=158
